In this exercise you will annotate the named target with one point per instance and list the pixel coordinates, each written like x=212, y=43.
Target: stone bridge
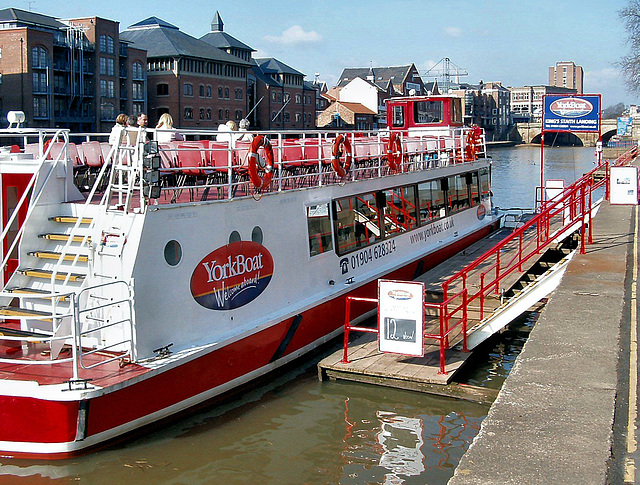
x=530, y=133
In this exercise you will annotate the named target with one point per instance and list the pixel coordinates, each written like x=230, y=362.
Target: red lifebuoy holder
x=473, y=142
x=394, y=152
x=258, y=164
x=341, y=146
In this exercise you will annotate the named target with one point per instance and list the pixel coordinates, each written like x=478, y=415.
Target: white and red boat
x=149, y=284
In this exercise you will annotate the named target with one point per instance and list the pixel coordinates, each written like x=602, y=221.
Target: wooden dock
x=422, y=374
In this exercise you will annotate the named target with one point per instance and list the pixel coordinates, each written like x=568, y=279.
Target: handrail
x=573, y=206
x=34, y=200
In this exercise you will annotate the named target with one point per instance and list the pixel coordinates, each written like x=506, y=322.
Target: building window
x=188, y=113
x=40, y=109
x=298, y=117
x=162, y=89
x=202, y=90
x=110, y=45
x=138, y=90
x=201, y=113
x=208, y=113
x=39, y=57
x=137, y=71
x=220, y=92
x=39, y=82
x=298, y=99
x=287, y=117
x=188, y=90
x=226, y=114
x=226, y=93
x=238, y=94
x=208, y=91
x=103, y=43
x=107, y=112
x=220, y=115
x=238, y=114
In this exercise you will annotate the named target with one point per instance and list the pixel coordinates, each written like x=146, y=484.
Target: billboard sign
x=579, y=113
x=625, y=123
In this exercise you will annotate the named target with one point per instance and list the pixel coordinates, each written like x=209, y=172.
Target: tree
x=630, y=64
x=613, y=111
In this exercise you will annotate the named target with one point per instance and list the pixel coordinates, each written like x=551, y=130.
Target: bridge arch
x=607, y=136
x=559, y=139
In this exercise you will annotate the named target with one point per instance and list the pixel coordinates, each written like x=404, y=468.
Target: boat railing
x=28, y=199
x=80, y=328
x=214, y=169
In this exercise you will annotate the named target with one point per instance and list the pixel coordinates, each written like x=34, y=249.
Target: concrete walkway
x=553, y=421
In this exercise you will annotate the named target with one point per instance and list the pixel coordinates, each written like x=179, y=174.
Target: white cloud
x=294, y=35
x=452, y=31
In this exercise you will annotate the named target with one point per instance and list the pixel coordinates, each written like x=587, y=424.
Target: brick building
x=74, y=73
x=199, y=84
x=286, y=101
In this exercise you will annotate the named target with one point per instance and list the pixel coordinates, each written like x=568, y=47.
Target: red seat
x=92, y=153
x=190, y=156
x=72, y=153
x=292, y=155
x=15, y=149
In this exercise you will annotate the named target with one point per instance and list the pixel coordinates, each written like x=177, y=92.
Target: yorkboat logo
x=232, y=276
x=400, y=295
x=571, y=107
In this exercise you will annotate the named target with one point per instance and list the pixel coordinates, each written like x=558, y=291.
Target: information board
x=401, y=317
x=624, y=185
x=576, y=113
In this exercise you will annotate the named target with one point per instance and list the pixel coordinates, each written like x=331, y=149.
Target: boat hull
x=53, y=429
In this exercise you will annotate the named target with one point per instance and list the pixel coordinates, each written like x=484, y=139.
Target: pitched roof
x=222, y=40
x=270, y=65
x=382, y=75
x=259, y=74
x=22, y=18
x=357, y=108
x=161, y=39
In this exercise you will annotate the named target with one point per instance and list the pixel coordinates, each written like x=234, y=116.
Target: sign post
x=401, y=317
x=571, y=113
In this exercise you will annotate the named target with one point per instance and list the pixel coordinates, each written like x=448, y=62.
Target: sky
x=511, y=41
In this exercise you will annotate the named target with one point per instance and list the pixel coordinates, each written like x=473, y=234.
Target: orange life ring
x=257, y=163
x=341, y=146
x=394, y=151
x=473, y=142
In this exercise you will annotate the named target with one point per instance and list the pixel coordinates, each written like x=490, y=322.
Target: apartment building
x=72, y=73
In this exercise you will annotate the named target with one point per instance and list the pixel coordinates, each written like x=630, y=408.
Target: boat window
x=428, y=111
x=399, y=210
x=319, y=226
x=456, y=110
x=474, y=186
x=431, y=201
x=234, y=237
x=458, y=193
x=398, y=116
x=356, y=222
x=172, y=253
x=256, y=235
x=485, y=190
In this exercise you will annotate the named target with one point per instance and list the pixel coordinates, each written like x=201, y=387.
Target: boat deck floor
x=27, y=366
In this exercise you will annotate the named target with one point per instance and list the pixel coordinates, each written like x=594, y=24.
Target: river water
x=297, y=430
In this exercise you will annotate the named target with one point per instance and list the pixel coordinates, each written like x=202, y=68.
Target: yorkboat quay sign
x=572, y=113
x=232, y=275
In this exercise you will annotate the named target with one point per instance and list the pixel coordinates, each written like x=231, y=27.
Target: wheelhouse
x=424, y=113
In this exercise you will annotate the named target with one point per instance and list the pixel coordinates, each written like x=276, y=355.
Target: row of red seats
x=88, y=153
